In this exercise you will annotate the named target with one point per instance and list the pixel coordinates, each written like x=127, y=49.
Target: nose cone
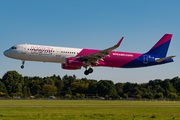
x=6, y=53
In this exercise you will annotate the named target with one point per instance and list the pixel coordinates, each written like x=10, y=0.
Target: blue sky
x=93, y=24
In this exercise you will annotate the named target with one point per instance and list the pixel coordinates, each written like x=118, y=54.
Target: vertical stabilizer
x=161, y=47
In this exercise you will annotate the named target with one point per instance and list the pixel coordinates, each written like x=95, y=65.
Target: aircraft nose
x=6, y=53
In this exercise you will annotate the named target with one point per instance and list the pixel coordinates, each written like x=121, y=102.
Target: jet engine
x=72, y=64
x=69, y=67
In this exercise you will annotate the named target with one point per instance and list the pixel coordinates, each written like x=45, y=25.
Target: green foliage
x=79, y=86
x=67, y=96
x=78, y=95
x=106, y=87
x=173, y=95
x=26, y=91
x=125, y=96
x=2, y=94
x=158, y=95
x=12, y=83
x=3, y=89
x=119, y=88
x=138, y=96
x=49, y=81
x=49, y=90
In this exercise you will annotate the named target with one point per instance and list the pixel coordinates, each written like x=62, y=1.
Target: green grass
x=90, y=102
x=89, y=113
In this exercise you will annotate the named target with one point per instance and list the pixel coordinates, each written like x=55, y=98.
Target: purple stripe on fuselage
x=116, y=59
x=165, y=38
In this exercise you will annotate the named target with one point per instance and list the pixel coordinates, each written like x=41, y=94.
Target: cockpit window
x=14, y=48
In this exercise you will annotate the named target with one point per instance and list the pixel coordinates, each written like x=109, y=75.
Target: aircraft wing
x=94, y=57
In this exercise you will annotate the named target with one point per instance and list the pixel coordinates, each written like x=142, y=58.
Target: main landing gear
x=86, y=72
x=22, y=66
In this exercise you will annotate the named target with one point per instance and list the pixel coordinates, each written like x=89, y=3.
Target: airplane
x=75, y=58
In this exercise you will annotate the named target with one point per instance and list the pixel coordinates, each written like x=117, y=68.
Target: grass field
x=90, y=102
x=169, y=111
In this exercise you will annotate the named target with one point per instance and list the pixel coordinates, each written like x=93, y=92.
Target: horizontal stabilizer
x=163, y=59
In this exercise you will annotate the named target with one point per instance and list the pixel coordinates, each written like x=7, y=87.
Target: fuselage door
x=58, y=53
x=23, y=51
x=145, y=59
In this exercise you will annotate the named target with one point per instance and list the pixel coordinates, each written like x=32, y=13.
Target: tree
x=125, y=96
x=150, y=96
x=78, y=95
x=127, y=87
x=58, y=83
x=138, y=96
x=69, y=91
x=106, y=87
x=158, y=95
x=173, y=95
x=92, y=88
x=26, y=91
x=49, y=81
x=176, y=83
x=158, y=89
x=67, y=96
x=3, y=88
x=35, y=87
x=2, y=94
x=79, y=87
x=83, y=95
x=166, y=84
x=119, y=88
x=49, y=90
x=67, y=80
x=13, y=82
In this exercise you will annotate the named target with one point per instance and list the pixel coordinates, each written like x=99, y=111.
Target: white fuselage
x=41, y=53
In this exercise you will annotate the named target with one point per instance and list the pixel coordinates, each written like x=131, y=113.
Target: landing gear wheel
x=22, y=66
x=90, y=70
x=86, y=72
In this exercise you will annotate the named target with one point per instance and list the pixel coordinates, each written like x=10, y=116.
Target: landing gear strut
x=22, y=66
x=86, y=72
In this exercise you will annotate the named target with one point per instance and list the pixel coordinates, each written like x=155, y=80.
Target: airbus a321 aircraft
x=74, y=58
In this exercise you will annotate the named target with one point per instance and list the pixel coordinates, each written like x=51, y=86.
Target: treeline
x=14, y=84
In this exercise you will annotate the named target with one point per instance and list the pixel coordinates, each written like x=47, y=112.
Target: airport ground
x=89, y=110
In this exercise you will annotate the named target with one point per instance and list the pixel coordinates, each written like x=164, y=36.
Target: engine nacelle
x=74, y=62
x=70, y=67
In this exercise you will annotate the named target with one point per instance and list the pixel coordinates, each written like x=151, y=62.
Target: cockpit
x=12, y=51
x=13, y=47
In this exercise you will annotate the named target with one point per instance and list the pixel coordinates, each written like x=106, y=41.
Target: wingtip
x=119, y=41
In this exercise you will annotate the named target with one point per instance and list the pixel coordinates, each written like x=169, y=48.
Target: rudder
x=161, y=47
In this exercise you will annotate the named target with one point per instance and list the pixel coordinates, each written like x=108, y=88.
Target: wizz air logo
x=41, y=50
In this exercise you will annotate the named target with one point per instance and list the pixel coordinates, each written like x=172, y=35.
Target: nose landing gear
x=22, y=66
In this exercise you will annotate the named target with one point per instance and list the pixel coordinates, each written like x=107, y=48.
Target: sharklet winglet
x=119, y=41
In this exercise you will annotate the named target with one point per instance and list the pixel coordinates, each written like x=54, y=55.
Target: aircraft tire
x=22, y=66
x=90, y=70
x=86, y=72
